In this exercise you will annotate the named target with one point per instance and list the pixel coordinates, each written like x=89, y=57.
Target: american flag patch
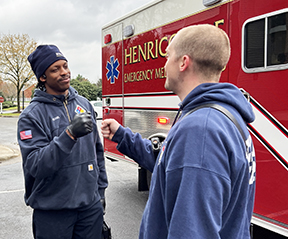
x=26, y=134
x=79, y=110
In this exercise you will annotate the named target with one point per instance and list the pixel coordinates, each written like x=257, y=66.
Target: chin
x=166, y=86
x=65, y=88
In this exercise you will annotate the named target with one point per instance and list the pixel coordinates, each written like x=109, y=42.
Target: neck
x=187, y=89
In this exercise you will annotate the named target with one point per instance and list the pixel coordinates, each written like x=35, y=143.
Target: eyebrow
x=60, y=65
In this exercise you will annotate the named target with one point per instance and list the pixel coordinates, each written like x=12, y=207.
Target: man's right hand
x=80, y=125
x=109, y=128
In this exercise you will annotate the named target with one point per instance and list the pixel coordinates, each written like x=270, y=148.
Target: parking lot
x=124, y=203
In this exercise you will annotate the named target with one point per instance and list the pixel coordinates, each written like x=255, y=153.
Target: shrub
x=7, y=104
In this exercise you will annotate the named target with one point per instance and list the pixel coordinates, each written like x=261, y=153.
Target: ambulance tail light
x=107, y=38
x=163, y=120
x=106, y=111
x=149, y=122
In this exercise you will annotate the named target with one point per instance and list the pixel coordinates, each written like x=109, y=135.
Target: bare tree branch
x=14, y=66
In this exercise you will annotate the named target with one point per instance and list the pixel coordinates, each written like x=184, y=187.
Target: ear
x=42, y=79
x=184, y=63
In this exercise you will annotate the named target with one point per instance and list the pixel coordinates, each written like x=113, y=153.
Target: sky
x=72, y=25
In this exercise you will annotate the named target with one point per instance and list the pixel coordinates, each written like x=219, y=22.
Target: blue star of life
x=112, y=70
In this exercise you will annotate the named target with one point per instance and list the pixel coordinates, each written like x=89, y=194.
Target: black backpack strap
x=222, y=110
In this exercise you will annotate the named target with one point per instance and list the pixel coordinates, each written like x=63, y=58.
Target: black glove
x=81, y=125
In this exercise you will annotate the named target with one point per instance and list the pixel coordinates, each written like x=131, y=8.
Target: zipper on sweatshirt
x=65, y=103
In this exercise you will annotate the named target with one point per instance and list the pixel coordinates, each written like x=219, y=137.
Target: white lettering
x=250, y=156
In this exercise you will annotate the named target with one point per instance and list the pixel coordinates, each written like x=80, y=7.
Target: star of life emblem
x=112, y=70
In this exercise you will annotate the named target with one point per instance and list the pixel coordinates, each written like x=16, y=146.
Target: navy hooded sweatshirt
x=203, y=182
x=60, y=173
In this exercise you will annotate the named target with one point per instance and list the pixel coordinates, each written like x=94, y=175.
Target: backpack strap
x=222, y=110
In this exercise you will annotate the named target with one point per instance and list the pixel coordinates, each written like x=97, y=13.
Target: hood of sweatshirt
x=224, y=94
x=43, y=97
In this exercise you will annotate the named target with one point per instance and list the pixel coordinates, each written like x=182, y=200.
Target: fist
x=81, y=125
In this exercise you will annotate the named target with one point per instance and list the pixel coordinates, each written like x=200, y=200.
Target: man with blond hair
x=203, y=181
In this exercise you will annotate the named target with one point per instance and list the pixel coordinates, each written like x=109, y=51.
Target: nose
x=64, y=71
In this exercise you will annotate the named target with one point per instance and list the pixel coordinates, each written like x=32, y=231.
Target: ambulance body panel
x=133, y=78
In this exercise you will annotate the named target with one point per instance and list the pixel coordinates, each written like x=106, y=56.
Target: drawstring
x=178, y=115
x=65, y=102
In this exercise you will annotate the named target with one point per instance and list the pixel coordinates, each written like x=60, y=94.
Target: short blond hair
x=208, y=46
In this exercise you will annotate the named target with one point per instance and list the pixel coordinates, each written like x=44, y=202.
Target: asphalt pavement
x=124, y=203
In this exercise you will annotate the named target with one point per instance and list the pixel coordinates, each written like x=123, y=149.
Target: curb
x=7, y=153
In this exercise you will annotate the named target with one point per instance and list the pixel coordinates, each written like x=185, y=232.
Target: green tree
x=99, y=83
x=85, y=88
x=75, y=83
x=14, y=66
x=99, y=92
x=81, y=78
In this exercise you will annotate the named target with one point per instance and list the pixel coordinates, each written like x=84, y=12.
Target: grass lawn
x=10, y=114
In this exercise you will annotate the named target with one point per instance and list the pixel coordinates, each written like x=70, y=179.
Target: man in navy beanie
x=63, y=161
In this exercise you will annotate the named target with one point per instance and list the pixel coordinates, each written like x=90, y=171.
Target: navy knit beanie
x=43, y=57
